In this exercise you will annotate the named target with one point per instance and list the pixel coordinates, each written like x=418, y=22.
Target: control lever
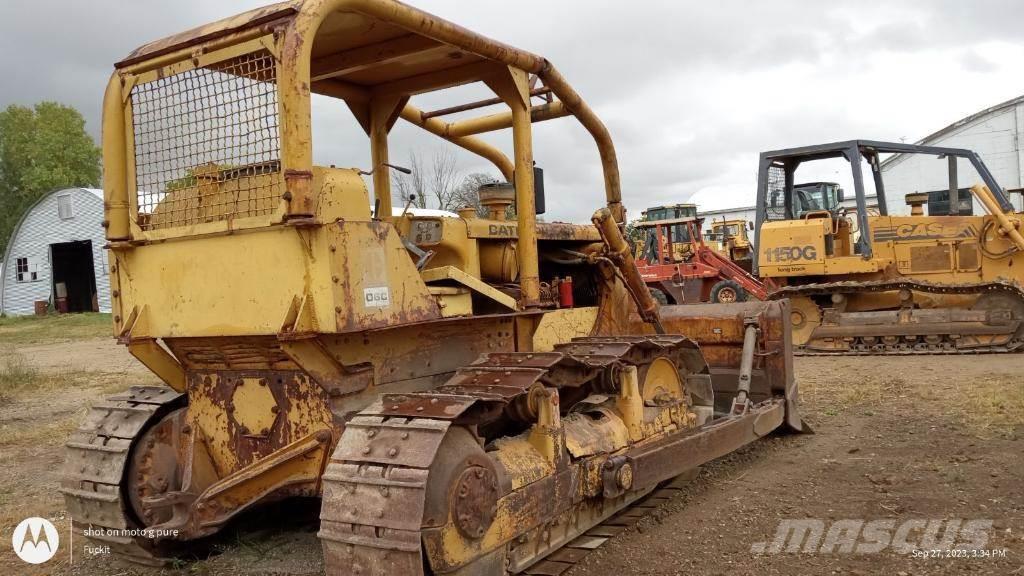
x=408, y=203
x=423, y=256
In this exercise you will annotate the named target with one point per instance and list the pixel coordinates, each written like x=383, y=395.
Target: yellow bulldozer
x=466, y=394
x=863, y=282
x=729, y=238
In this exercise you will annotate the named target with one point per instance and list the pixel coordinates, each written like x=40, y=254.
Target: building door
x=74, y=277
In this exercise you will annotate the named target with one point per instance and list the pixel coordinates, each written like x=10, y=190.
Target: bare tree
x=412, y=184
x=436, y=186
x=440, y=185
x=444, y=176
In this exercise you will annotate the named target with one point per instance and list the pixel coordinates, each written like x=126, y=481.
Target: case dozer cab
x=869, y=283
x=465, y=393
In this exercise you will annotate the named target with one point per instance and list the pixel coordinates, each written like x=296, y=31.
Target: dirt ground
x=920, y=438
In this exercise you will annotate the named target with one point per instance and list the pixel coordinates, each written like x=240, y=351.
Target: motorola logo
x=35, y=540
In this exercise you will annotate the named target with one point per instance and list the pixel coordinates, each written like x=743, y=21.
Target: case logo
x=925, y=231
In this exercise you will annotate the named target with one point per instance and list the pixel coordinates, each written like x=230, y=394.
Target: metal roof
x=212, y=30
x=956, y=126
x=21, y=221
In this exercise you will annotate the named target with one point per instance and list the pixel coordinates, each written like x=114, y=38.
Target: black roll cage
x=790, y=159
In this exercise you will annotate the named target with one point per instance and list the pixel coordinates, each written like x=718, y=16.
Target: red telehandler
x=694, y=273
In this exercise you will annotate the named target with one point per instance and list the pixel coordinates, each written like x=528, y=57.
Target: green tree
x=43, y=148
x=633, y=232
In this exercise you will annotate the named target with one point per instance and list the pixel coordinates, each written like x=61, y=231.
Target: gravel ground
x=900, y=439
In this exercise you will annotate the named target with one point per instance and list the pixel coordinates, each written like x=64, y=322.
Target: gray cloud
x=691, y=91
x=972, y=61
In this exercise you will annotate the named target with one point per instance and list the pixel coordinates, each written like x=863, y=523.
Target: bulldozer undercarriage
x=821, y=326
x=515, y=457
x=458, y=488
x=100, y=457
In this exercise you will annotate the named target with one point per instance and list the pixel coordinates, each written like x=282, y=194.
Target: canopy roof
x=362, y=43
x=367, y=51
x=668, y=222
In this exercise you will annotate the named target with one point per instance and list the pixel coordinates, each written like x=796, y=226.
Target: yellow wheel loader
x=863, y=282
x=466, y=393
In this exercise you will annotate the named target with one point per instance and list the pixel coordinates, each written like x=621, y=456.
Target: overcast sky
x=691, y=91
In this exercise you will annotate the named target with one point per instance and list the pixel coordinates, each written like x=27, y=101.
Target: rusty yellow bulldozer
x=466, y=393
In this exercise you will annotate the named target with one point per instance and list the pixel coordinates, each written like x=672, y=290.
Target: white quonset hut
x=996, y=134
x=56, y=255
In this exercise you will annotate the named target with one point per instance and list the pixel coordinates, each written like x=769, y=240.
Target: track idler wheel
x=661, y=383
x=805, y=316
x=154, y=467
x=1002, y=301
x=462, y=491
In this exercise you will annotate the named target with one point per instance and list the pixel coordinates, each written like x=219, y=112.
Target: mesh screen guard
x=775, y=202
x=207, y=143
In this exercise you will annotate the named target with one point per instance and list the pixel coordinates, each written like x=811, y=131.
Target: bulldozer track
x=374, y=497
x=944, y=348
x=574, y=552
x=97, y=458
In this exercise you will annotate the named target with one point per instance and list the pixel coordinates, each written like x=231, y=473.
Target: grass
x=17, y=377
x=18, y=381
x=53, y=433
x=54, y=328
x=985, y=405
x=833, y=396
x=994, y=406
x=45, y=392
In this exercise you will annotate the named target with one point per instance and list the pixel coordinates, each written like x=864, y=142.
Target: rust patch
x=566, y=231
x=300, y=408
x=475, y=501
x=442, y=407
x=248, y=353
x=208, y=32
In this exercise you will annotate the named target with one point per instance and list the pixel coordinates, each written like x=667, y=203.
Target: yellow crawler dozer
x=729, y=238
x=864, y=283
x=466, y=393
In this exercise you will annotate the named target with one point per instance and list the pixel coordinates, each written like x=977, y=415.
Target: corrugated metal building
x=747, y=213
x=56, y=255
x=996, y=134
